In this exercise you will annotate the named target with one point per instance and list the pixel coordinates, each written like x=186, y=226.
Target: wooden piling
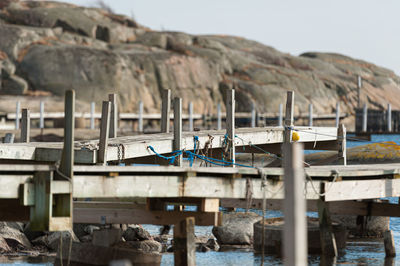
x=342, y=149
x=390, y=248
x=327, y=238
x=92, y=111
x=365, y=118
x=289, y=116
x=253, y=115
x=280, y=116
x=190, y=116
x=178, y=129
x=140, y=122
x=17, y=114
x=310, y=115
x=184, y=241
x=104, y=132
x=165, y=110
x=219, y=118
x=389, y=117
x=359, y=85
x=294, y=209
x=337, y=120
x=113, y=115
x=25, y=125
x=41, y=117
x=230, y=124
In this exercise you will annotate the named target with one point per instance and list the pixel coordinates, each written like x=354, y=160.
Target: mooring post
x=289, y=116
x=92, y=110
x=113, y=115
x=104, y=133
x=280, y=116
x=310, y=115
x=365, y=118
x=190, y=116
x=41, y=115
x=253, y=115
x=178, y=129
x=390, y=248
x=389, y=117
x=140, y=122
x=337, y=114
x=341, y=141
x=184, y=241
x=165, y=109
x=230, y=124
x=294, y=207
x=327, y=238
x=219, y=118
x=17, y=114
x=25, y=125
x=359, y=85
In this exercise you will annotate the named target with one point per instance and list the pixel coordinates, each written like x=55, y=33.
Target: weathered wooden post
x=67, y=157
x=390, y=248
x=294, y=207
x=253, y=115
x=140, y=122
x=365, y=118
x=230, y=124
x=341, y=140
x=25, y=125
x=219, y=118
x=359, y=85
x=280, y=116
x=289, y=116
x=190, y=116
x=92, y=110
x=310, y=115
x=337, y=114
x=113, y=115
x=41, y=115
x=17, y=114
x=178, y=129
x=389, y=117
x=165, y=109
x=104, y=133
x=184, y=241
x=9, y=138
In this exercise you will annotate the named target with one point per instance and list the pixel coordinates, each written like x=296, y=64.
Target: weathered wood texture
x=165, y=110
x=178, y=129
x=230, y=124
x=104, y=132
x=112, y=98
x=25, y=126
x=184, y=241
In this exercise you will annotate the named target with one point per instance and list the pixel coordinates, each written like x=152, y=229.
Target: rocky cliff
x=49, y=47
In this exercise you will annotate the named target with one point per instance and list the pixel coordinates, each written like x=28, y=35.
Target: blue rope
x=191, y=157
x=171, y=159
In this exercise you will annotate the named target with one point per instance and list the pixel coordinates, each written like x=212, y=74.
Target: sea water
x=356, y=252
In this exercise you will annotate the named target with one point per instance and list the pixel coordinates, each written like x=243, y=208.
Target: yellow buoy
x=295, y=136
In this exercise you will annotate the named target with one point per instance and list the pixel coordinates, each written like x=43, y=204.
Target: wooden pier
x=48, y=184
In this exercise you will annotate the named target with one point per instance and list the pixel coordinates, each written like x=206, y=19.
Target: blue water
x=356, y=253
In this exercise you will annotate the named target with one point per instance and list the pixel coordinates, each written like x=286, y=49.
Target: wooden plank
x=209, y=205
x=104, y=132
x=178, y=130
x=41, y=212
x=230, y=124
x=388, y=240
x=184, y=242
x=25, y=126
x=295, y=227
x=165, y=110
x=112, y=98
x=140, y=216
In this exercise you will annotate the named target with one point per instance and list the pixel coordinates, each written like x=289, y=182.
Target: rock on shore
x=52, y=47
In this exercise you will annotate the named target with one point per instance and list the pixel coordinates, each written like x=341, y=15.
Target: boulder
x=4, y=248
x=144, y=246
x=136, y=232
x=236, y=229
x=363, y=226
x=212, y=244
x=14, y=236
x=13, y=85
x=52, y=240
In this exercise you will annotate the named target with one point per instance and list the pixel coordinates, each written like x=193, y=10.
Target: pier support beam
x=104, y=133
x=390, y=248
x=178, y=129
x=25, y=126
x=165, y=109
x=337, y=120
x=185, y=247
x=327, y=238
x=230, y=124
x=114, y=115
x=294, y=207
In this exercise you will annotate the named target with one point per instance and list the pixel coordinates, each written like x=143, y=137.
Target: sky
x=363, y=29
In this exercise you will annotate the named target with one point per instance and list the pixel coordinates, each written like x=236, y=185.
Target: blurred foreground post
x=17, y=114
x=165, y=108
x=25, y=125
x=337, y=121
x=140, y=122
x=113, y=115
x=190, y=116
x=104, y=133
x=178, y=129
x=230, y=125
x=184, y=241
x=219, y=118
